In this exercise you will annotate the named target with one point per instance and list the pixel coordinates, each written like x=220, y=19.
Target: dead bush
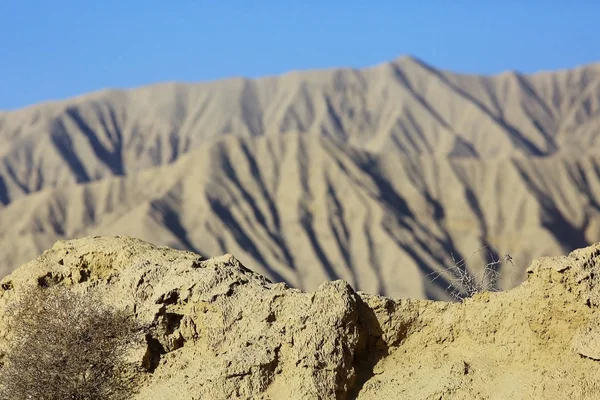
x=463, y=283
x=65, y=345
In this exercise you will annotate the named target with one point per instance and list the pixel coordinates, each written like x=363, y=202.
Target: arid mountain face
x=377, y=176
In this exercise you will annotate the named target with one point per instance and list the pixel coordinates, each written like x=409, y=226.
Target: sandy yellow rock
x=218, y=330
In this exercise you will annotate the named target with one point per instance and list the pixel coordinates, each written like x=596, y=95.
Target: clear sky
x=53, y=49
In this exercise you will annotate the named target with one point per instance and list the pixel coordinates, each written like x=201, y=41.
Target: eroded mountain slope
x=405, y=104
x=304, y=209
x=377, y=176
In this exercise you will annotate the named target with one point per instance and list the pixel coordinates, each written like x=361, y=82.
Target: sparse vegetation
x=463, y=283
x=65, y=345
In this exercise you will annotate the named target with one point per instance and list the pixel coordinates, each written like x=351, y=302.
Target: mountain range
x=380, y=176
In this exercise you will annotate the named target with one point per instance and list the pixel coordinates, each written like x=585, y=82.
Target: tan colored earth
x=375, y=176
x=219, y=330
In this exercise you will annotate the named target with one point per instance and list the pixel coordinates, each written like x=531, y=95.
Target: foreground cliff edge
x=218, y=330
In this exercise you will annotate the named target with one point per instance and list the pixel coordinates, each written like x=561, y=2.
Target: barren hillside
x=213, y=329
x=377, y=176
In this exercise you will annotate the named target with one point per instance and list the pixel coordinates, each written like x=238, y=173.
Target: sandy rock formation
x=218, y=330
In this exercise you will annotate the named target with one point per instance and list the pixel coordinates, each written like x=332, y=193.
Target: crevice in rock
x=370, y=347
x=168, y=298
x=48, y=280
x=171, y=322
x=154, y=351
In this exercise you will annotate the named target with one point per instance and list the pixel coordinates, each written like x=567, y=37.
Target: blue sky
x=53, y=49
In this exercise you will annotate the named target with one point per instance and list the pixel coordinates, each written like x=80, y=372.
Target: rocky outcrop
x=216, y=330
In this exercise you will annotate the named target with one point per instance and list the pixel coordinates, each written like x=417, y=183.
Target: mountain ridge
x=377, y=176
x=399, y=59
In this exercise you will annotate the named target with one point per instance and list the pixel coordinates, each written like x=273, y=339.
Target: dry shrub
x=463, y=283
x=65, y=345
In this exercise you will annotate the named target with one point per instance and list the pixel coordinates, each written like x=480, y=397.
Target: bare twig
x=464, y=284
